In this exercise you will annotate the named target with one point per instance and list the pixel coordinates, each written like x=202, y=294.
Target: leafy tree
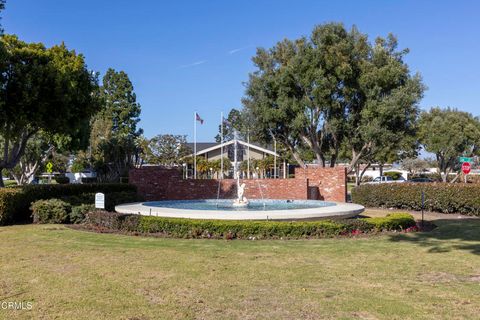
x=234, y=121
x=217, y=166
x=415, y=165
x=202, y=166
x=114, y=132
x=48, y=90
x=334, y=94
x=383, y=120
x=167, y=149
x=81, y=162
x=449, y=133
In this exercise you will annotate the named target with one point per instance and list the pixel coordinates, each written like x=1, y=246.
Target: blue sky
x=184, y=56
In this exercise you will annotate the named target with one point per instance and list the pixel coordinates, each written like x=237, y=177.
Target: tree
x=383, y=117
x=333, y=93
x=415, y=165
x=449, y=133
x=114, y=132
x=234, y=121
x=49, y=90
x=167, y=149
x=121, y=104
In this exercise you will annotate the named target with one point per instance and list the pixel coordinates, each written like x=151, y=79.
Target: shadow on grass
x=450, y=234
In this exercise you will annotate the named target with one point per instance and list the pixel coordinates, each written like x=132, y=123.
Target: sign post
x=466, y=167
x=99, y=200
x=49, y=167
x=423, y=205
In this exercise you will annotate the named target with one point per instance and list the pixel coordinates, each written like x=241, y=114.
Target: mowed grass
x=71, y=274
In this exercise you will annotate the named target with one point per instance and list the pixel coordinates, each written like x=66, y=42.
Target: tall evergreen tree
x=114, y=130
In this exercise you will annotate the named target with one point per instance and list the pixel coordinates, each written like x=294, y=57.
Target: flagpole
x=248, y=160
x=195, y=145
x=221, y=145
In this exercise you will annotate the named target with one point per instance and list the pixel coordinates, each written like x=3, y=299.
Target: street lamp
x=185, y=170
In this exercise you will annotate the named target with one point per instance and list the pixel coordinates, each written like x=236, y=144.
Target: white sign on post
x=99, y=200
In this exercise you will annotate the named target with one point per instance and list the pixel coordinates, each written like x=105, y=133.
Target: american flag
x=197, y=117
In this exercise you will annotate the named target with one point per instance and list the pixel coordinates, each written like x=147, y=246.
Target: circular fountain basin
x=267, y=209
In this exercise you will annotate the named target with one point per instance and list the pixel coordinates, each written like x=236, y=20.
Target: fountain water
x=218, y=191
x=260, y=188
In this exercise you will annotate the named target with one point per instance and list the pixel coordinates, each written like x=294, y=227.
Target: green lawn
x=71, y=274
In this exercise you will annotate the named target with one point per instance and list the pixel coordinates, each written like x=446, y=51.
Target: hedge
x=15, y=202
x=220, y=229
x=439, y=197
x=51, y=211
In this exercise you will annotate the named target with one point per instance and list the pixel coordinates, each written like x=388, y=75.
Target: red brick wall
x=157, y=183
x=327, y=183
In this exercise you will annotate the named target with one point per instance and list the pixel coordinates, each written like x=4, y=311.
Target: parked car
x=386, y=179
x=421, y=180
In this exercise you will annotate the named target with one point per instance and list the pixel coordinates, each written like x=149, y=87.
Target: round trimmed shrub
x=50, y=211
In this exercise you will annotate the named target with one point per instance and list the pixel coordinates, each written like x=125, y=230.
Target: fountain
x=241, y=208
x=241, y=200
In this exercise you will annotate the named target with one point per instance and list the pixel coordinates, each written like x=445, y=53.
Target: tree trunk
x=1, y=178
x=444, y=176
x=12, y=156
x=333, y=160
x=295, y=154
x=315, y=148
x=363, y=172
x=357, y=174
x=356, y=156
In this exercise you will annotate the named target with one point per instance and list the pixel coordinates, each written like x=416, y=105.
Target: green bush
x=393, y=221
x=218, y=229
x=50, y=211
x=10, y=201
x=78, y=213
x=439, y=197
x=111, y=220
x=15, y=201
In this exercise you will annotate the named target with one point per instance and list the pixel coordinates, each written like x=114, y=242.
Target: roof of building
x=205, y=147
x=201, y=145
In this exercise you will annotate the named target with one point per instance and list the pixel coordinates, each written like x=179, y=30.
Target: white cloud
x=197, y=63
x=233, y=51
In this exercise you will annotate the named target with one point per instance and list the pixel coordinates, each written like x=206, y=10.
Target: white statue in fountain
x=241, y=200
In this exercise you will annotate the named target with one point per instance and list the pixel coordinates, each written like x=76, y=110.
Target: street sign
x=99, y=200
x=465, y=159
x=49, y=167
x=466, y=167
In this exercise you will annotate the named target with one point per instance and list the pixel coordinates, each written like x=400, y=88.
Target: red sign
x=466, y=167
